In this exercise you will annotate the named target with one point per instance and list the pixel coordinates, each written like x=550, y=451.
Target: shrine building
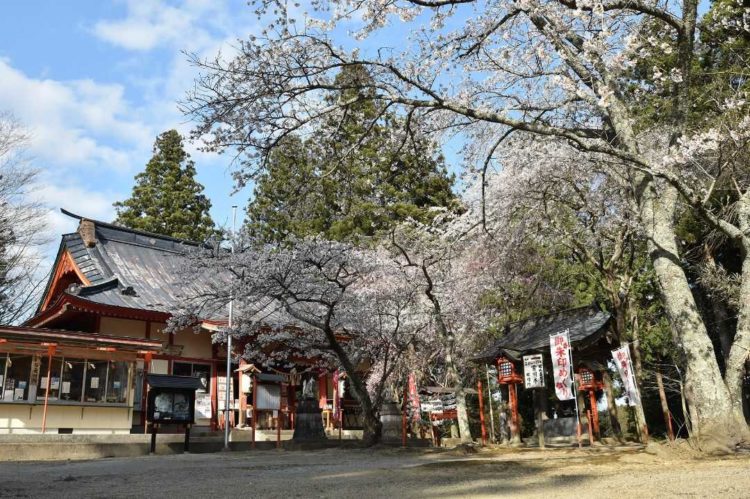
x=79, y=364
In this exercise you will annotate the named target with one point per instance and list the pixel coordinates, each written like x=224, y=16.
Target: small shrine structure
x=591, y=341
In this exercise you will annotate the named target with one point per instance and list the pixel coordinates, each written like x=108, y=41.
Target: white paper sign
x=44, y=383
x=66, y=387
x=202, y=405
x=533, y=371
x=221, y=395
x=625, y=367
x=559, y=345
x=94, y=382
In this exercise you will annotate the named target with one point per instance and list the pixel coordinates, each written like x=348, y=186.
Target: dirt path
x=389, y=473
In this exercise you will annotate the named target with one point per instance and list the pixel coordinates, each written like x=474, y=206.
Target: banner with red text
x=559, y=345
x=625, y=366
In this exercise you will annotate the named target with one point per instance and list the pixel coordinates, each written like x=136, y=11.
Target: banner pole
x=639, y=402
x=575, y=392
x=489, y=400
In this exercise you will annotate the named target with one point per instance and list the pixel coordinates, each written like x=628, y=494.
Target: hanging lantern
x=587, y=380
x=506, y=371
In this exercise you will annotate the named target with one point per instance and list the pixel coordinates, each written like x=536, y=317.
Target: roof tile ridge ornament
x=87, y=231
x=130, y=230
x=78, y=290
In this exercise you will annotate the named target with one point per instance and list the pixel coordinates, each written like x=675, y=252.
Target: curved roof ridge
x=140, y=232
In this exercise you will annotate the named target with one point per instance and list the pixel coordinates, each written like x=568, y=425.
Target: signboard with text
x=533, y=371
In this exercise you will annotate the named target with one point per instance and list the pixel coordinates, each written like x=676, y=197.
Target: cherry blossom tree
x=486, y=69
x=316, y=303
x=452, y=266
x=559, y=198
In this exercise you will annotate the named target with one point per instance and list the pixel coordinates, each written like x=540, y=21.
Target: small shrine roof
x=585, y=325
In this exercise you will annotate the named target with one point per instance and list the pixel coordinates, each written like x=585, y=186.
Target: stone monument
x=308, y=424
x=390, y=417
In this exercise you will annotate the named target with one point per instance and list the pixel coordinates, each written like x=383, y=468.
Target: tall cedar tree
x=343, y=186
x=166, y=198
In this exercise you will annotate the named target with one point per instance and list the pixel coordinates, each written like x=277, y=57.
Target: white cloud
x=77, y=199
x=74, y=124
x=147, y=25
x=90, y=137
x=53, y=195
x=186, y=25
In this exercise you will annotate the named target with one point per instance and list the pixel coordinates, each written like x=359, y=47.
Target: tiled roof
x=131, y=268
x=584, y=324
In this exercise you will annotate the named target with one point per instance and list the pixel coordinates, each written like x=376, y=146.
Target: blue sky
x=96, y=81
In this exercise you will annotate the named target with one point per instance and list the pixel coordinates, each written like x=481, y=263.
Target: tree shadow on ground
x=475, y=477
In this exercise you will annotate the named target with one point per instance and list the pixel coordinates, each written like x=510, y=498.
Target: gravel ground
x=393, y=473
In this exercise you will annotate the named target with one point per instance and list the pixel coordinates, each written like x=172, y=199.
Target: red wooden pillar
x=481, y=411
x=323, y=398
x=243, y=397
x=323, y=391
x=506, y=375
x=278, y=421
x=515, y=430
x=214, y=397
x=586, y=380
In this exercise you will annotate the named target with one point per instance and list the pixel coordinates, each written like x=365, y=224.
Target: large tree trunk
x=722, y=327
x=449, y=343
x=715, y=422
x=463, y=415
x=611, y=406
x=372, y=427
x=738, y=354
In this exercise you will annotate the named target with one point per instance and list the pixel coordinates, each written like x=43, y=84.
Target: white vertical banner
x=625, y=367
x=559, y=345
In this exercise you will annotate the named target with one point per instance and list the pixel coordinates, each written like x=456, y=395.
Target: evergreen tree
x=353, y=179
x=166, y=198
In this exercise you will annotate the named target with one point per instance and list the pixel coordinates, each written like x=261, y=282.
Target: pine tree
x=166, y=198
x=353, y=179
